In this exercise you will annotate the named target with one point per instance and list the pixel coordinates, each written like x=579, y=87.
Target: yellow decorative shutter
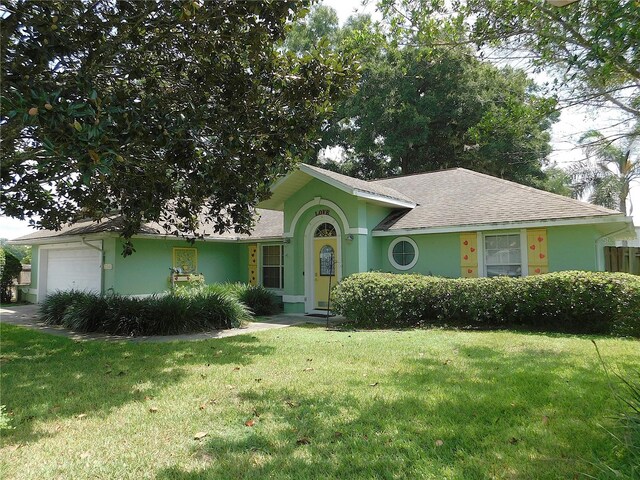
x=468, y=255
x=253, y=264
x=537, y=251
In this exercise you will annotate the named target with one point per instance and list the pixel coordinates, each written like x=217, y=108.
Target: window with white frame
x=403, y=253
x=502, y=255
x=273, y=266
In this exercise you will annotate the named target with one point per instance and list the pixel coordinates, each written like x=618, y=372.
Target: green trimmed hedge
x=155, y=315
x=575, y=301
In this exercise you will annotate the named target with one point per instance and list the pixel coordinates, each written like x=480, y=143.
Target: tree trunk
x=404, y=165
x=623, y=199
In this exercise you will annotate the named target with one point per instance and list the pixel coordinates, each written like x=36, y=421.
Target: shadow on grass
x=552, y=330
x=478, y=413
x=46, y=377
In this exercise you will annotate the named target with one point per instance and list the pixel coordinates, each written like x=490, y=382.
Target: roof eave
x=557, y=222
x=275, y=202
x=383, y=200
x=62, y=238
x=102, y=235
x=356, y=192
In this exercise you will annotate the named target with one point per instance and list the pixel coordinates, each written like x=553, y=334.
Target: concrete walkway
x=28, y=316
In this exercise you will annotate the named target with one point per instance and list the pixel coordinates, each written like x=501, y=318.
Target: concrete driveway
x=28, y=316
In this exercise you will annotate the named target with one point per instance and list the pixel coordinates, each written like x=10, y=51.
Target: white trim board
x=356, y=192
x=294, y=298
x=505, y=226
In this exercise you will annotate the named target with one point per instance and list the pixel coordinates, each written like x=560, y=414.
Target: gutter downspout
x=84, y=242
x=599, y=253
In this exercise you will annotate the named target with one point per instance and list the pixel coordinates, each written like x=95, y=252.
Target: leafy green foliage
x=608, y=172
x=592, y=44
x=556, y=180
x=589, y=47
x=259, y=300
x=10, y=268
x=54, y=306
x=420, y=108
x=177, y=112
x=87, y=312
x=320, y=25
x=419, y=112
x=21, y=252
x=581, y=302
x=256, y=298
x=155, y=315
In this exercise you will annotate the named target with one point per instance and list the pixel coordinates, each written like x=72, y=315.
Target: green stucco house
x=320, y=226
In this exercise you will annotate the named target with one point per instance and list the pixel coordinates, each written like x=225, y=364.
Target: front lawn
x=307, y=403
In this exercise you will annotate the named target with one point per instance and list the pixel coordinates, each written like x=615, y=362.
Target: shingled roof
x=269, y=225
x=282, y=189
x=460, y=197
x=375, y=188
x=450, y=199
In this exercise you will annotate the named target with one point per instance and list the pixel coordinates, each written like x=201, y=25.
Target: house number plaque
x=322, y=212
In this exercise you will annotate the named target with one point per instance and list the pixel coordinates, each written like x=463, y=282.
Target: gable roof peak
x=369, y=191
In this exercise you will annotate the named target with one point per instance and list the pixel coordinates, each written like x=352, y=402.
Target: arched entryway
x=323, y=262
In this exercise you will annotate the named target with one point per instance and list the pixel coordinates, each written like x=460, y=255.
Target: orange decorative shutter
x=253, y=264
x=537, y=251
x=468, y=255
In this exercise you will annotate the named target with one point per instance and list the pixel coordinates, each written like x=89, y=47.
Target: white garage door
x=73, y=268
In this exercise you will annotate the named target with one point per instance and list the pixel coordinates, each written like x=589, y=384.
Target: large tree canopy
x=421, y=108
x=590, y=48
x=418, y=111
x=306, y=34
x=160, y=110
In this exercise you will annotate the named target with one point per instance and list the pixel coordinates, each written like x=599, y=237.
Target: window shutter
x=537, y=251
x=468, y=255
x=253, y=264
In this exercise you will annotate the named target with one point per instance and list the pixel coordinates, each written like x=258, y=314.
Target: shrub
x=155, y=315
x=221, y=308
x=10, y=268
x=258, y=299
x=54, y=306
x=125, y=315
x=87, y=312
x=164, y=315
x=580, y=302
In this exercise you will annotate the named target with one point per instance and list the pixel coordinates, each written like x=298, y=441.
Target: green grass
x=325, y=405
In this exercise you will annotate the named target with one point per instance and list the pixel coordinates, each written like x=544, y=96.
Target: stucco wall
x=438, y=254
x=569, y=248
x=147, y=270
x=573, y=248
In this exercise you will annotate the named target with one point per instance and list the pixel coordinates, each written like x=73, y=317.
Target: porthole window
x=403, y=253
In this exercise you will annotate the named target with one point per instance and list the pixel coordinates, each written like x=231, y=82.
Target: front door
x=325, y=244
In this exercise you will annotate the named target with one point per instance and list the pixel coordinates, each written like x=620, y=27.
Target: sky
x=573, y=123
